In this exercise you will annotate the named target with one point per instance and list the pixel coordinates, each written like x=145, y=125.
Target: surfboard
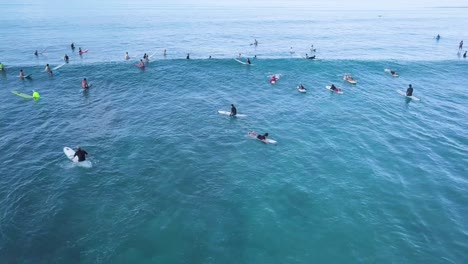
x=328, y=87
x=25, y=96
x=301, y=90
x=70, y=153
x=83, y=51
x=411, y=97
x=150, y=56
x=254, y=135
x=58, y=67
x=241, y=62
x=222, y=112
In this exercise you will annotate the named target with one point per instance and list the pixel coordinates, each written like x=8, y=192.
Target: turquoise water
x=364, y=177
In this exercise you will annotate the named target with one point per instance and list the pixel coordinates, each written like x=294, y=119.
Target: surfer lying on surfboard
x=262, y=138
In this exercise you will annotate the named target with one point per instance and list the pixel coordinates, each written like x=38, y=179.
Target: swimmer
x=127, y=57
x=84, y=84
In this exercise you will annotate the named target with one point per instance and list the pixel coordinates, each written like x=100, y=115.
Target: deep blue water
x=363, y=177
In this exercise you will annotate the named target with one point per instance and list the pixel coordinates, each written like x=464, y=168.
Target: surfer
x=209, y=57
x=65, y=58
x=256, y=42
x=72, y=46
x=248, y=61
x=240, y=55
x=80, y=51
x=438, y=37
x=145, y=57
x=233, y=110
x=409, y=91
x=460, y=47
x=188, y=56
x=47, y=68
x=21, y=74
x=291, y=50
x=312, y=48
x=301, y=87
x=333, y=87
x=394, y=73
x=263, y=137
x=310, y=58
x=273, y=79
x=84, y=84
x=81, y=154
x=127, y=57
x=35, y=53
x=255, y=56
x=164, y=53
x=464, y=56
x=36, y=95
x=141, y=64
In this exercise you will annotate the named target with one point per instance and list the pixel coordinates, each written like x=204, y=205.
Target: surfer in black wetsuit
x=81, y=154
x=72, y=46
x=262, y=137
x=409, y=91
x=35, y=53
x=233, y=110
x=188, y=56
x=310, y=58
x=333, y=87
x=464, y=54
x=248, y=61
x=65, y=58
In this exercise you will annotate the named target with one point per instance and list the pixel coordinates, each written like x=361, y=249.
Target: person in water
x=438, y=37
x=36, y=95
x=72, y=46
x=233, y=110
x=47, y=68
x=256, y=42
x=84, y=84
x=127, y=57
x=273, y=78
x=141, y=64
x=145, y=57
x=394, y=73
x=164, y=53
x=263, y=137
x=310, y=58
x=409, y=91
x=333, y=87
x=312, y=49
x=188, y=56
x=464, y=56
x=35, y=53
x=81, y=154
x=248, y=61
x=66, y=59
x=460, y=47
x=301, y=87
x=21, y=74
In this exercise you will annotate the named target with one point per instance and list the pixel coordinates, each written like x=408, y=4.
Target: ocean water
x=368, y=176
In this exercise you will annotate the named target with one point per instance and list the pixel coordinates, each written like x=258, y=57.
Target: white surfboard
x=254, y=135
x=70, y=153
x=241, y=62
x=58, y=67
x=222, y=112
x=329, y=88
x=411, y=97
